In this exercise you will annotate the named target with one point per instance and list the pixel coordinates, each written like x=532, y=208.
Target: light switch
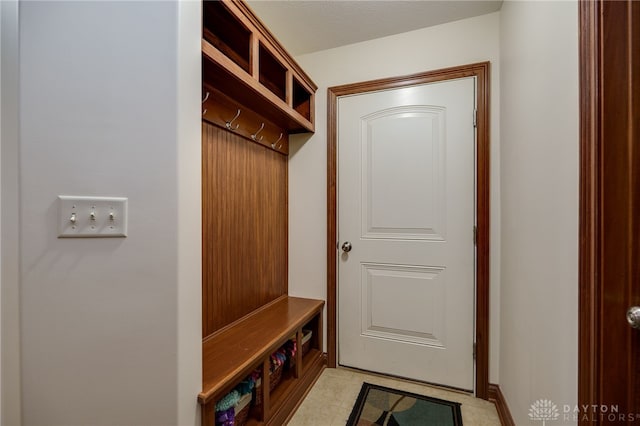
x=92, y=217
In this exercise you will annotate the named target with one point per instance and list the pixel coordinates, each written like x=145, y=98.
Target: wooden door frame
x=600, y=50
x=589, y=244
x=481, y=71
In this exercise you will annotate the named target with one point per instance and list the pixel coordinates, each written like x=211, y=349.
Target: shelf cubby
x=302, y=99
x=226, y=33
x=272, y=74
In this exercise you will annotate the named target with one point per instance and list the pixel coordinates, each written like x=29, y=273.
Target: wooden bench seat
x=234, y=352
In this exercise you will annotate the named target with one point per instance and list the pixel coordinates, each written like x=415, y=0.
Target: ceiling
x=304, y=26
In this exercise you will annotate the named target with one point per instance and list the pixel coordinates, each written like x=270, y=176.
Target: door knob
x=346, y=247
x=633, y=317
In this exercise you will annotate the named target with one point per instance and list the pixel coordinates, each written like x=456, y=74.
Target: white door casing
x=406, y=170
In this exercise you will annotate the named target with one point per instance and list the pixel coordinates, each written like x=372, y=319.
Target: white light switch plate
x=92, y=217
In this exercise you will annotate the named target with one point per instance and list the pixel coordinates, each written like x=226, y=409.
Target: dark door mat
x=378, y=405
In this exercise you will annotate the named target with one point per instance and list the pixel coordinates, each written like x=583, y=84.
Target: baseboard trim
x=495, y=395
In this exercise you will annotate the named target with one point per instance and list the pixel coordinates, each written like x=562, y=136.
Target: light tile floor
x=331, y=399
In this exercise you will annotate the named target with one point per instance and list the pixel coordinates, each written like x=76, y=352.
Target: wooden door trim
x=481, y=71
x=609, y=202
x=589, y=229
x=609, y=111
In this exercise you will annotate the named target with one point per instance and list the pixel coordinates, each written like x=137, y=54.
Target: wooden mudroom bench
x=234, y=352
x=254, y=95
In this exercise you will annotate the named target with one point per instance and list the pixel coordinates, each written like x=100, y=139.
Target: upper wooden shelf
x=245, y=61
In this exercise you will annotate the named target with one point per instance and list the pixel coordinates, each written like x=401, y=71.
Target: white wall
x=110, y=328
x=189, y=211
x=9, y=244
x=539, y=153
x=462, y=42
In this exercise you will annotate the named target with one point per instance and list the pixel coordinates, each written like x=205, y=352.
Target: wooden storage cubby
x=302, y=99
x=233, y=353
x=241, y=54
x=226, y=33
x=271, y=73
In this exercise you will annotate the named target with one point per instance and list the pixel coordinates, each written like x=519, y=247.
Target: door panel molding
x=433, y=230
x=481, y=72
x=375, y=316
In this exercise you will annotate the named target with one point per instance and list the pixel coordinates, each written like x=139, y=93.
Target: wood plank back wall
x=244, y=227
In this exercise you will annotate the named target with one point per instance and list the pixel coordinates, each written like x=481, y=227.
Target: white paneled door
x=406, y=189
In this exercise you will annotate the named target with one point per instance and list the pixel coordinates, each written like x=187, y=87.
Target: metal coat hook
x=255, y=135
x=229, y=123
x=273, y=145
x=206, y=96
